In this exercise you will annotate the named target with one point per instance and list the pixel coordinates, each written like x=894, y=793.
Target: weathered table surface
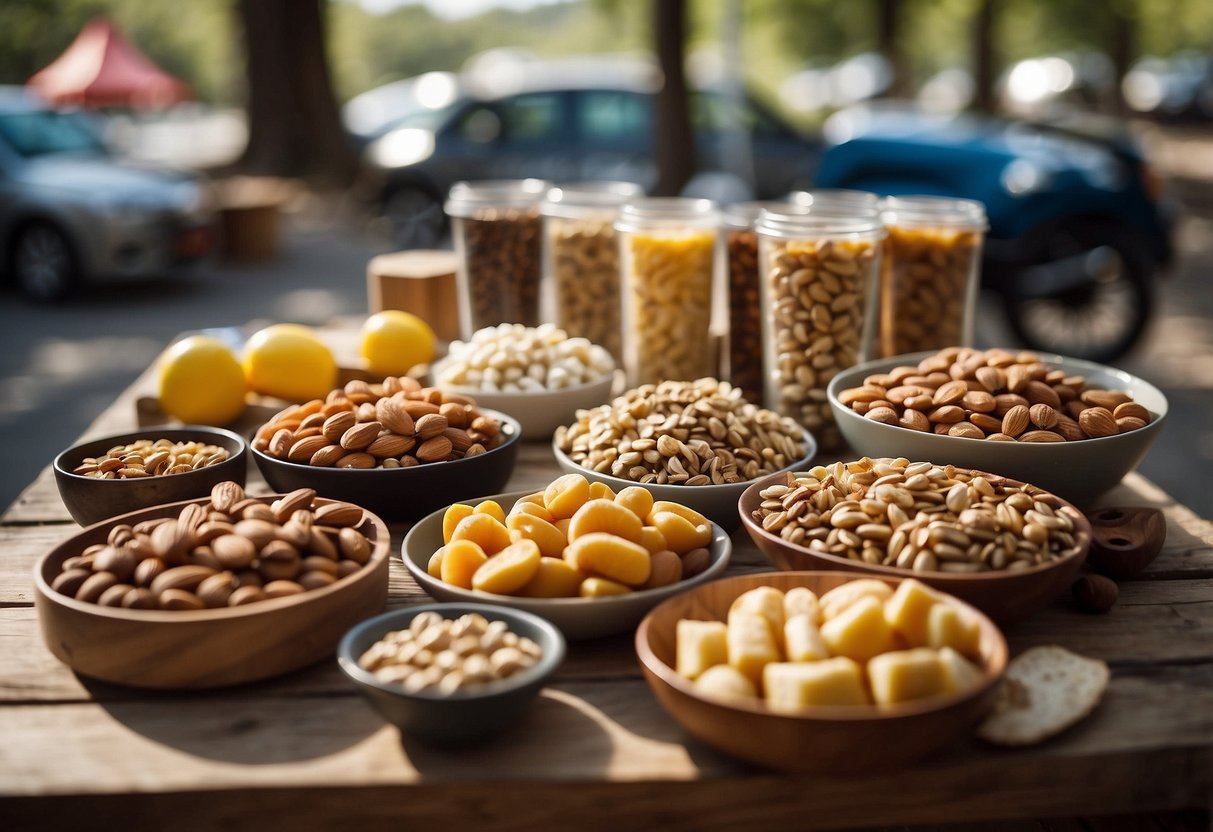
x=597, y=751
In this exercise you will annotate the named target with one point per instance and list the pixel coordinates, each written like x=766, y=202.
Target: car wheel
x=1090, y=294
x=415, y=218
x=43, y=263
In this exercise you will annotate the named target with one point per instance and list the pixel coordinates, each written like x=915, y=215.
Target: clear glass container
x=930, y=274
x=668, y=278
x=835, y=199
x=744, y=306
x=581, y=258
x=499, y=245
x=819, y=271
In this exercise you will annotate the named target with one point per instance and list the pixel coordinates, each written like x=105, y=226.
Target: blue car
x=1079, y=229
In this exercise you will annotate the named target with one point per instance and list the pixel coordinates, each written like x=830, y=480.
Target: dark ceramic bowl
x=90, y=500
x=1003, y=595
x=463, y=717
x=404, y=493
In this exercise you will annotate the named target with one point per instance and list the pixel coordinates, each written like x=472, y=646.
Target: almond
x=1095, y=593
x=1003, y=402
x=991, y=378
x=315, y=420
x=280, y=443
x=433, y=450
x=338, y=514
x=147, y=570
x=170, y=541
x=139, y=598
x=914, y=420
x=357, y=459
x=1109, y=399
x=180, y=577
x=487, y=425
x=258, y=511
x=1037, y=392
x=1043, y=416
x=321, y=544
x=947, y=415
x=279, y=560
x=304, y=449
x=225, y=495
x=431, y=425
x=950, y=393
x=282, y=589
x=390, y=444
x=260, y=532
x=1068, y=428
x=1041, y=436
x=298, y=500
x=245, y=595
x=120, y=562
x=217, y=589
x=336, y=425
x=354, y=546
x=417, y=409
x=69, y=581
x=456, y=414
x=366, y=412
x=392, y=415
x=1015, y=421
x=1127, y=423
x=180, y=599
x=327, y=456
x=987, y=423
x=191, y=517
x=978, y=401
x=1018, y=377
x=204, y=556
x=1097, y=421
x=1132, y=409
x=339, y=404
x=966, y=430
x=360, y=435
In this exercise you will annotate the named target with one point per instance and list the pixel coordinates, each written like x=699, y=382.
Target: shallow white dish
x=1076, y=471
x=577, y=618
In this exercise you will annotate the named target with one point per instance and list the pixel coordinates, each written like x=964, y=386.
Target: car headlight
x=401, y=148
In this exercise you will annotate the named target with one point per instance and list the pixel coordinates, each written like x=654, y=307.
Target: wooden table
x=304, y=751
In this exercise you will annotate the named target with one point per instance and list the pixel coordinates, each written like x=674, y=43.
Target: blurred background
x=1086, y=127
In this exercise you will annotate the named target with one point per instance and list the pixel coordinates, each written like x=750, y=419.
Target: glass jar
x=581, y=258
x=744, y=306
x=818, y=284
x=499, y=246
x=835, y=199
x=930, y=275
x=668, y=267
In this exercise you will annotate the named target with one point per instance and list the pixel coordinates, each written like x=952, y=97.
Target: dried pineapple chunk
x=751, y=644
x=907, y=610
x=840, y=597
x=791, y=686
x=904, y=675
x=766, y=601
x=699, y=645
x=802, y=640
x=950, y=626
x=860, y=631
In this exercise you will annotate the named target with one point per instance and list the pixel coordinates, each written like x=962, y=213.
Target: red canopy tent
x=101, y=68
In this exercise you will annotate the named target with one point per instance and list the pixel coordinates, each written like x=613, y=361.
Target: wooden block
x=421, y=282
x=249, y=217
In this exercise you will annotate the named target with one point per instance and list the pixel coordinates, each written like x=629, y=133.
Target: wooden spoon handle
x=1125, y=541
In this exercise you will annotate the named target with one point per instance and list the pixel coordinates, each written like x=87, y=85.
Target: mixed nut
x=513, y=358
x=232, y=551
x=151, y=458
x=393, y=424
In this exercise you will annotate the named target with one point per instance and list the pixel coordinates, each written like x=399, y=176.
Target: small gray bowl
x=1077, y=471
x=90, y=500
x=466, y=716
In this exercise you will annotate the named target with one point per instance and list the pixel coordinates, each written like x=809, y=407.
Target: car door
x=519, y=136
x=614, y=129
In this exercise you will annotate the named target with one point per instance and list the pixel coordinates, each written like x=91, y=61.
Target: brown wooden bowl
x=1004, y=596
x=834, y=740
x=208, y=648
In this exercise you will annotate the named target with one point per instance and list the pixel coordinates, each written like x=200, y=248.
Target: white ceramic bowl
x=718, y=503
x=541, y=412
x=577, y=618
x=1077, y=471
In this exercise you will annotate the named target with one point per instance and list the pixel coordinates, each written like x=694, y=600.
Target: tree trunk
x=293, y=121
x=889, y=45
x=674, y=141
x=1124, y=51
x=984, y=57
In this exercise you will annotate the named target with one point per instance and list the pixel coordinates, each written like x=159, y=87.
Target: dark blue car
x=1078, y=226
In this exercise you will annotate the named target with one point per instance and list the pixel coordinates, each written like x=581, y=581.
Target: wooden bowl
x=577, y=618
x=1004, y=596
x=827, y=740
x=404, y=493
x=90, y=500
x=208, y=648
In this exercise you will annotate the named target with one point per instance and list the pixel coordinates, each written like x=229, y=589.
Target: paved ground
x=60, y=365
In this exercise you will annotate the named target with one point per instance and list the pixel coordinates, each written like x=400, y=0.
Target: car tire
x=1100, y=315
x=43, y=264
x=415, y=218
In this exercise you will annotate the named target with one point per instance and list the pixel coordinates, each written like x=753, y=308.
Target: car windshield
x=46, y=132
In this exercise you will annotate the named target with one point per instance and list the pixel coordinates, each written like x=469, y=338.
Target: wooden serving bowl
x=833, y=740
x=207, y=648
x=1004, y=596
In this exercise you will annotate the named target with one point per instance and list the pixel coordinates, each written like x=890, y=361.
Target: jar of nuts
x=668, y=282
x=929, y=277
x=499, y=244
x=745, y=318
x=819, y=273
x=835, y=199
x=581, y=258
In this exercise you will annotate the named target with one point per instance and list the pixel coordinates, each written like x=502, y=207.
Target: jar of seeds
x=930, y=273
x=581, y=258
x=668, y=266
x=744, y=310
x=499, y=245
x=818, y=283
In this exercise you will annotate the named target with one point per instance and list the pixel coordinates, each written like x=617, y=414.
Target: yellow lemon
x=201, y=382
x=394, y=341
x=290, y=362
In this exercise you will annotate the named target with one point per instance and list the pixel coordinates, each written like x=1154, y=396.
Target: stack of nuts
x=150, y=458
x=676, y=432
x=236, y=550
x=447, y=656
x=919, y=516
x=393, y=424
x=996, y=395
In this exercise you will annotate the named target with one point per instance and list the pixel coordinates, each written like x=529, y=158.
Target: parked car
x=567, y=121
x=70, y=212
x=1079, y=225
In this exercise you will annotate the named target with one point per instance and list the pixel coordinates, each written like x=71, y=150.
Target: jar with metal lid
x=744, y=306
x=668, y=267
x=581, y=258
x=818, y=285
x=499, y=246
x=930, y=274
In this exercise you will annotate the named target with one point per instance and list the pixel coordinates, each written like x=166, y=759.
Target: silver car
x=69, y=212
